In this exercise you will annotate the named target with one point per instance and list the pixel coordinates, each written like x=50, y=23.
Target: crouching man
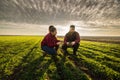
x=50, y=43
x=72, y=40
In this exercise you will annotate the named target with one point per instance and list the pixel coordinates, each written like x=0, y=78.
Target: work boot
x=74, y=52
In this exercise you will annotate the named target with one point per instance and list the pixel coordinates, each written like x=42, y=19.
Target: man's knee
x=48, y=50
x=76, y=45
x=53, y=52
x=43, y=48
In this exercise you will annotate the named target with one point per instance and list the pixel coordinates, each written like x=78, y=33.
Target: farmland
x=22, y=59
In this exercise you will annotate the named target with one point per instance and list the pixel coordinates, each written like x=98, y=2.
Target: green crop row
x=98, y=69
x=100, y=58
x=7, y=67
x=110, y=49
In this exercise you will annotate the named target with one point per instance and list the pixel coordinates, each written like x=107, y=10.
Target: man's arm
x=57, y=39
x=50, y=42
x=65, y=39
x=77, y=38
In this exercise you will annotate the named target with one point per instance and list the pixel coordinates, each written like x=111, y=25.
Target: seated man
x=50, y=43
x=71, y=39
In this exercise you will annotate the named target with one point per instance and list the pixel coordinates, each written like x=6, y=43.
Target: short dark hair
x=72, y=26
x=51, y=26
x=52, y=29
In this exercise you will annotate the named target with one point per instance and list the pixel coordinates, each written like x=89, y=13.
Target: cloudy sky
x=33, y=17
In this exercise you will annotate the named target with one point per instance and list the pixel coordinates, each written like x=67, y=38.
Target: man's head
x=72, y=28
x=51, y=26
x=53, y=31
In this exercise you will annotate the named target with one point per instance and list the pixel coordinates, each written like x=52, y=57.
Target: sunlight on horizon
x=84, y=29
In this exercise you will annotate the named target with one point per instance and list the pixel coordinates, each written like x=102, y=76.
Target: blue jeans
x=49, y=50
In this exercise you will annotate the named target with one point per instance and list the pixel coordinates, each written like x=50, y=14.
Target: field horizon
x=107, y=39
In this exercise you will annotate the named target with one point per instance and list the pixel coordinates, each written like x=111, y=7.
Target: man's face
x=54, y=33
x=72, y=29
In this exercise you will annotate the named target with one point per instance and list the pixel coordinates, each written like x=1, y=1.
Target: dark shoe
x=74, y=53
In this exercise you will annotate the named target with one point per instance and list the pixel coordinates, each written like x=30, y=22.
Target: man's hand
x=58, y=43
x=68, y=43
x=73, y=43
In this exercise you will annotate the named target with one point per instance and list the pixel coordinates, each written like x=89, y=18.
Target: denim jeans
x=50, y=50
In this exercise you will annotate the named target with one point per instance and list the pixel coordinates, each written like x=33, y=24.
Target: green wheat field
x=21, y=58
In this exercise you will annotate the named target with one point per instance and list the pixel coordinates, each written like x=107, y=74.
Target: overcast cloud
x=33, y=17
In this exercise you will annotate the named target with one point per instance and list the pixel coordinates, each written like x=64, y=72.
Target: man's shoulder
x=76, y=32
x=47, y=35
x=67, y=33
